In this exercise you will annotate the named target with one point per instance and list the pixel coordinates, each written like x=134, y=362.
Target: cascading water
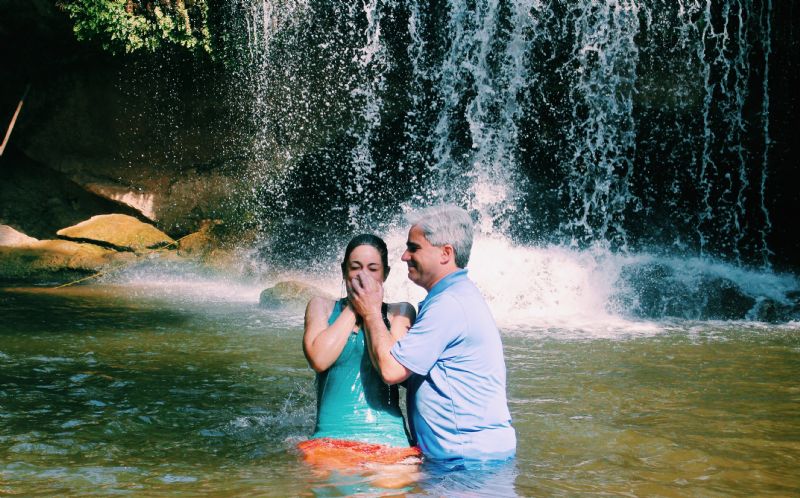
x=630, y=138
x=602, y=131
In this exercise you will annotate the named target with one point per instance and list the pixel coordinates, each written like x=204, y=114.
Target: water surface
x=111, y=389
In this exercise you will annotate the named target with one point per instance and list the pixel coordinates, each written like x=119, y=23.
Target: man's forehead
x=416, y=235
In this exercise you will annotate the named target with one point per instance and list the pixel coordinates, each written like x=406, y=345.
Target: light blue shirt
x=457, y=398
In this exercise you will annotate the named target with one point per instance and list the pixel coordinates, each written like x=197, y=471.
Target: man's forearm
x=380, y=344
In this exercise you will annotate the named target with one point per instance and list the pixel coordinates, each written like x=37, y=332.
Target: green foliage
x=134, y=25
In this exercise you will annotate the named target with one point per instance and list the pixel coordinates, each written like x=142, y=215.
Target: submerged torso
x=353, y=401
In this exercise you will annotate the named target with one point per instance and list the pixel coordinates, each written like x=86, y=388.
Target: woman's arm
x=323, y=343
x=401, y=318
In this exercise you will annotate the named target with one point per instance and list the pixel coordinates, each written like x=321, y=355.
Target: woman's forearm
x=324, y=347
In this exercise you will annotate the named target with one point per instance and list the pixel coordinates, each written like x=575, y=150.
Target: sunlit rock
x=11, y=238
x=117, y=231
x=141, y=201
x=53, y=258
x=202, y=242
x=289, y=294
x=39, y=201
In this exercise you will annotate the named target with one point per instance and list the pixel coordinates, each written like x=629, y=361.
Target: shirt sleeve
x=438, y=324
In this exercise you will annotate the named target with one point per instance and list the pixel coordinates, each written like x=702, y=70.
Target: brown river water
x=121, y=389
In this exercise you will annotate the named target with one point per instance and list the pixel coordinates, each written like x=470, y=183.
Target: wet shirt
x=457, y=397
x=353, y=402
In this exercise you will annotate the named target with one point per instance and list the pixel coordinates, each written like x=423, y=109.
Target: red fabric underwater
x=345, y=453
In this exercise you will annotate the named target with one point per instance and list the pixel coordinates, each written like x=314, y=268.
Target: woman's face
x=367, y=258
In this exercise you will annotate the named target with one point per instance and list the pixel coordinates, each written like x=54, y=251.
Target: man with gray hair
x=452, y=355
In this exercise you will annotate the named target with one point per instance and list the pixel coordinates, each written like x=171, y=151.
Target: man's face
x=422, y=258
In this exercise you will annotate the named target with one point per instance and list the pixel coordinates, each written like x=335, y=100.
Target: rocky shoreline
x=104, y=244
x=101, y=244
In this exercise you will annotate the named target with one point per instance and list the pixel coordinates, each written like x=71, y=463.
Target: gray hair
x=446, y=224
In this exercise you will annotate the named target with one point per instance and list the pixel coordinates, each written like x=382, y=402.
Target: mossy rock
x=289, y=294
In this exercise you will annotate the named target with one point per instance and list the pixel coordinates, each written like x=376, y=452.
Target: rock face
x=45, y=259
x=12, y=238
x=200, y=243
x=38, y=200
x=289, y=294
x=117, y=231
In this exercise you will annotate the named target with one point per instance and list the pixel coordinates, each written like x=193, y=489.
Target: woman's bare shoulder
x=320, y=304
x=402, y=308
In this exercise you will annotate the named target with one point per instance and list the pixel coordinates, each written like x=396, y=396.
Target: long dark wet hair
x=367, y=239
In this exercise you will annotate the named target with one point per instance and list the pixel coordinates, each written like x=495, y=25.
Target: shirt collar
x=445, y=282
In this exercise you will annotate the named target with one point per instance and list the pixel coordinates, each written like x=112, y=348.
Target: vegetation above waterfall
x=135, y=25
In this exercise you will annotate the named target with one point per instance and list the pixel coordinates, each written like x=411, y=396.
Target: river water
x=188, y=387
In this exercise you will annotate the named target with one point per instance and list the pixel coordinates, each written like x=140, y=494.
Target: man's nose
x=405, y=256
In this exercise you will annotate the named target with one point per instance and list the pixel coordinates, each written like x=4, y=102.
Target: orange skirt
x=343, y=453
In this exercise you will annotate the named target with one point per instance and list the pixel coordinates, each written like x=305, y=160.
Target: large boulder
x=117, y=231
x=655, y=290
x=289, y=294
x=56, y=259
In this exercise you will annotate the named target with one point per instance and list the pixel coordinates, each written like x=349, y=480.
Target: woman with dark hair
x=358, y=415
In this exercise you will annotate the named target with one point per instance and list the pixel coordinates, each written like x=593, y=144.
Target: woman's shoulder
x=320, y=304
x=401, y=308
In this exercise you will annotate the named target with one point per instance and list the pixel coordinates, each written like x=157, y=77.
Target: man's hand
x=366, y=294
x=367, y=298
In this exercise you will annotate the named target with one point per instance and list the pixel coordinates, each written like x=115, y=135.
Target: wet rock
x=117, y=231
x=289, y=294
x=771, y=311
x=652, y=291
x=793, y=312
x=56, y=259
x=655, y=290
x=724, y=300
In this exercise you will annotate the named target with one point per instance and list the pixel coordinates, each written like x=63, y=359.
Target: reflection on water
x=111, y=389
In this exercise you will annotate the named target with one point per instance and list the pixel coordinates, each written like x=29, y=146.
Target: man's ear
x=448, y=254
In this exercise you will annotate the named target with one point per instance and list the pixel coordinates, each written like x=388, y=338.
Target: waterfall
x=626, y=124
x=766, y=29
x=602, y=132
x=372, y=64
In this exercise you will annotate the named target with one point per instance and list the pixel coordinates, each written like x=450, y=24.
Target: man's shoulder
x=464, y=293
x=441, y=303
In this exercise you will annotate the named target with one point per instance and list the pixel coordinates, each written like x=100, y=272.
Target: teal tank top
x=353, y=402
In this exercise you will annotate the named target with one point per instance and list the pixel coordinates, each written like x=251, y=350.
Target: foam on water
x=534, y=288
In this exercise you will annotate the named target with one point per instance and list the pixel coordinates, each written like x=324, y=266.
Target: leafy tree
x=134, y=25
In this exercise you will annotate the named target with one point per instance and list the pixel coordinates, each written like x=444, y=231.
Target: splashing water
x=608, y=142
x=602, y=131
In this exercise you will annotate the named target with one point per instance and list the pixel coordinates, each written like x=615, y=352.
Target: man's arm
x=366, y=299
